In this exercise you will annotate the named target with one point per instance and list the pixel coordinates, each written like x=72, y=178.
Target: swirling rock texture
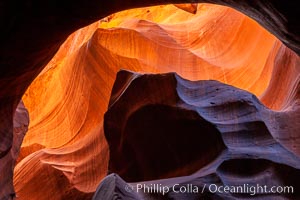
x=65, y=154
x=174, y=127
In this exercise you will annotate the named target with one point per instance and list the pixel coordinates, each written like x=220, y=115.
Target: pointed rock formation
x=8, y=158
x=114, y=187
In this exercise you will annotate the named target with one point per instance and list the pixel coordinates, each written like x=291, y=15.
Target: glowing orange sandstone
x=65, y=143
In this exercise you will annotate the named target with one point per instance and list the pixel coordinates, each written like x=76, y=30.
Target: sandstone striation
x=67, y=101
x=204, y=132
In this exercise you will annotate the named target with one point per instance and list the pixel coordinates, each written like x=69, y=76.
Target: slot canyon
x=99, y=97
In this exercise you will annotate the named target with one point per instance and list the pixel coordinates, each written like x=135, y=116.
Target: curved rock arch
x=24, y=53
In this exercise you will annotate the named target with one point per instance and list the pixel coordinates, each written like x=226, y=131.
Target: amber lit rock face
x=65, y=154
x=174, y=127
